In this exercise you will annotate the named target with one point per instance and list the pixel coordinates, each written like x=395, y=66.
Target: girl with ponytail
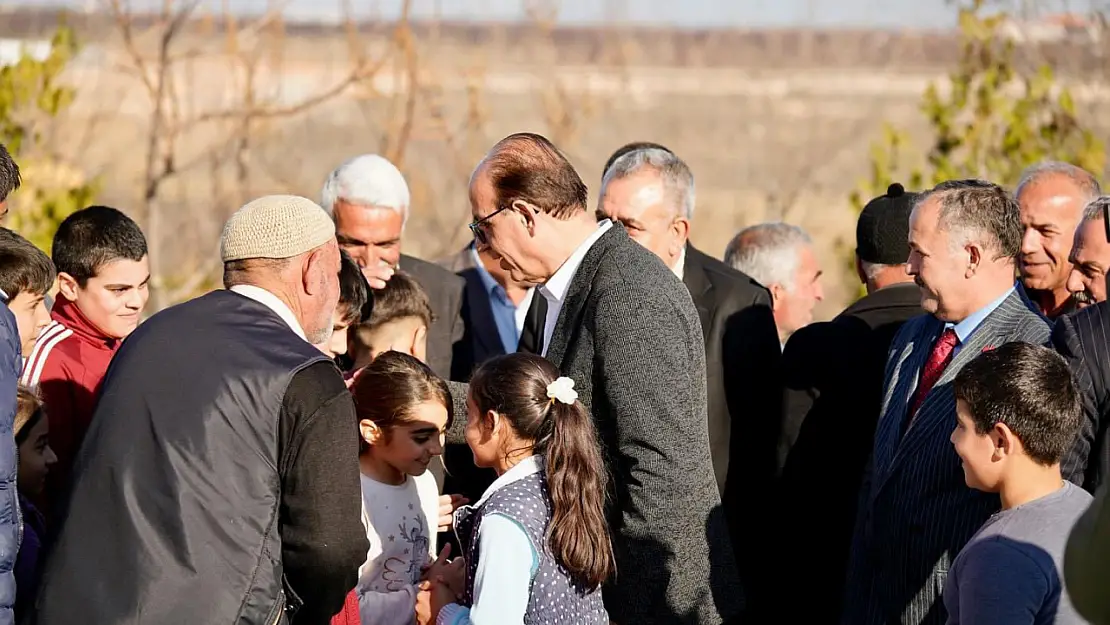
x=537, y=543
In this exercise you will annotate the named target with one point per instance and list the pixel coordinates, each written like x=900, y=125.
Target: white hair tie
x=562, y=390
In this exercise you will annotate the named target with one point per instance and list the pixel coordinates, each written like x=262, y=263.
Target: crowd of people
x=577, y=418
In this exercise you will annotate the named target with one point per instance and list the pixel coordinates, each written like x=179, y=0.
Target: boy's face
x=35, y=459
x=31, y=317
x=981, y=458
x=336, y=345
x=114, y=298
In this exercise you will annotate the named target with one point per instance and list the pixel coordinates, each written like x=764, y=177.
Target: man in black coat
x=219, y=480
x=833, y=373
x=369, y=200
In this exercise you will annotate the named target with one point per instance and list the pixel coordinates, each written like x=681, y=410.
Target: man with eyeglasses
x=624, y=328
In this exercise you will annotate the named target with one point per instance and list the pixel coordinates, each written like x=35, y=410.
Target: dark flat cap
x=883, y=229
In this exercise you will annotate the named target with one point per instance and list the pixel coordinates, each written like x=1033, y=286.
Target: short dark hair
x=527, y=166
x=401, y=298
x=980, y=207
x=24, y=268
x=1029, y=388
x=632, y=147
x=355, y=297
x=93, y=237
x=9, y=174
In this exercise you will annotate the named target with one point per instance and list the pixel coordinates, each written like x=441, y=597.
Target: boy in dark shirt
x=1018, y=412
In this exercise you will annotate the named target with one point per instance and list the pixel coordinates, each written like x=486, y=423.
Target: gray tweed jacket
x=629, y=336
x=916, y=513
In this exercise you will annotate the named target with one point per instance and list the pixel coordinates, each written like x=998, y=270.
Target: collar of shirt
x=488, y=283
x=680, y=265
x=555, y=289
x=529, y=466
x=967, y=327
x=273, y=302
x=4, y=295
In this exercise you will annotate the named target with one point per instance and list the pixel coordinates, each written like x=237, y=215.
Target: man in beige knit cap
x=219, y=481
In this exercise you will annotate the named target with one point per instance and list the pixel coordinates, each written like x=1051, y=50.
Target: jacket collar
x=69, y=315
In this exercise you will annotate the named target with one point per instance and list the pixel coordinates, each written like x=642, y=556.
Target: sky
x=893, y=14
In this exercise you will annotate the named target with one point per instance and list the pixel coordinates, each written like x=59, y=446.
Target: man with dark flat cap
x=833, y=374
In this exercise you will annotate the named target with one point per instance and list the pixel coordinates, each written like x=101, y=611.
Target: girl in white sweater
x=403, y=411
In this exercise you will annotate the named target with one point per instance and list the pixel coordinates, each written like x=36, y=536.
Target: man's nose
x=1031, y=241
x=1075, y=282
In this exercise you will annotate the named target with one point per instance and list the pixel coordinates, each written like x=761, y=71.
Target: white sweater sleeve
x=387, y=608
x=507, y=563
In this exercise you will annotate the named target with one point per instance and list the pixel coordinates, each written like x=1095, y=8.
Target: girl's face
x=483, y=435
x=410, y=446
x=35, y=459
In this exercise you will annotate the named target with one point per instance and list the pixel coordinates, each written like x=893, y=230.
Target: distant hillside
x=618, y=45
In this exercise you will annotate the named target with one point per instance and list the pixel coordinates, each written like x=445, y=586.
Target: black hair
x=93, y=237
x=9, y=174
x=24, y=268
x=1030, y=389
x=356, y=300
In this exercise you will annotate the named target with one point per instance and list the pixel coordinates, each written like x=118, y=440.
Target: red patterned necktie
x=934, y=368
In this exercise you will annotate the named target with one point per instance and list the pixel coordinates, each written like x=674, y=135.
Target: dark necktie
x=531, y=336
x=938, y=361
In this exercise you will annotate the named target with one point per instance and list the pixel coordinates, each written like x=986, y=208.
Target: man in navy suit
x=11, y=361
x=915, y=510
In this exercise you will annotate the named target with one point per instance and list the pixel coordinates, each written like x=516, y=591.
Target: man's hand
x=447, y=506
x=378, y=275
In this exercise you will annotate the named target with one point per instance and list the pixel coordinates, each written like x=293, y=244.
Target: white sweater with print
x=401, y=527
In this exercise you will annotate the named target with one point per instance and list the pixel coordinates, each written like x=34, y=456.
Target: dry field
x=767, y=138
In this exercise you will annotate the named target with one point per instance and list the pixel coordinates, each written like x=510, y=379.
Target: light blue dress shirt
x=504, y=311
x=968, y=326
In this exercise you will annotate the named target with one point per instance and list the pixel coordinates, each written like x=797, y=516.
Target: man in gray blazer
x=915, y=510
x=623, y=327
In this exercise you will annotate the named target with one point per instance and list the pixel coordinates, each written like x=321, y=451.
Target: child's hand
x=431, y=570
x=442, y=595
x=454, y=575
x=447, y=506
x=424, y=605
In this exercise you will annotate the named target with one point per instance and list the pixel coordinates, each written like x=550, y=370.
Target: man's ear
x=974, y=257
x=67, y=286
x=312, y=272
x=777, y=295
x=680, y=228
x=528, y=213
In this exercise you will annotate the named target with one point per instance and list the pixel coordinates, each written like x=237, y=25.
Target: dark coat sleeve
x=1078, y=466
x=1087, y=561
x=323, y=540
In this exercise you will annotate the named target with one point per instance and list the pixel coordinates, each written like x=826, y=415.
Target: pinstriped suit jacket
x=915, y=511
x=1083, y=339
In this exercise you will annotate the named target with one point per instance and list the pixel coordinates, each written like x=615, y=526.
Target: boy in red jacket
x=101, y=258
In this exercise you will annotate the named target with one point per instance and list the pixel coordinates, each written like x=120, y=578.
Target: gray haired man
x=781, y=257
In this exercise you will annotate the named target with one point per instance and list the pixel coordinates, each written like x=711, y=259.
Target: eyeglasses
x=476, y=227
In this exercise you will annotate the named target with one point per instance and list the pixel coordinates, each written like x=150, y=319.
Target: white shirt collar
x=529, y=466
x=273, y=302
x=555, y=289
x=680, y=263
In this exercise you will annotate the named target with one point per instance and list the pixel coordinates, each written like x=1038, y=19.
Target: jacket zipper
x=280, y=610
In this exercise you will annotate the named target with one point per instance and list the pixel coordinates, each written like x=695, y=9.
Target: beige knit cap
x=275, y=226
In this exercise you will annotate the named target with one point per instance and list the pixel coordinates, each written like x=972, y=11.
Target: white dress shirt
x=556, y=287
x=507, y=562
x=273, y=302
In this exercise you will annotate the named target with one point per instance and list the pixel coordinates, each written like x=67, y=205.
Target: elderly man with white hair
x=368, y=199
x=781, y=257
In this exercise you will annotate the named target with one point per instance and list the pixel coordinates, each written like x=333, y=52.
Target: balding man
x=1052, y=196
x=650, y=191
x=369, y=200
x=219, y=481
x=624, y=328
x=1090, y=256
x=781, y=257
